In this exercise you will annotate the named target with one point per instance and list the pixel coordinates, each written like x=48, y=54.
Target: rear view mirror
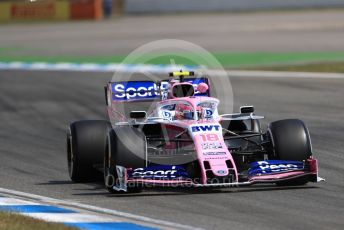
x=247, y=109
x=138, y=114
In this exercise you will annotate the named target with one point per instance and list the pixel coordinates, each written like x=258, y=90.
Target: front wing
x=175, y=176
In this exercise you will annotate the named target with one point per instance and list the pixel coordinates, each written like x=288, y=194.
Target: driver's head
x=186, y=112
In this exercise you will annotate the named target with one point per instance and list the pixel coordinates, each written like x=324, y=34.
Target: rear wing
x=126, y=91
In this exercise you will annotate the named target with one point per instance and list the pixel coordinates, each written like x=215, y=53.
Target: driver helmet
x=186, y=112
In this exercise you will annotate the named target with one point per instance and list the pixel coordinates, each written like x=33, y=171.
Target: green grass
x=326, y=67
x=226, y=59
x=265, y=59
x=10, y=221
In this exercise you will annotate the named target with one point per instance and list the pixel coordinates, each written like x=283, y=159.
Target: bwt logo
x=205, y=128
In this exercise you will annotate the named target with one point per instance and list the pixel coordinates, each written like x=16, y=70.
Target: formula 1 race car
x=183, y=141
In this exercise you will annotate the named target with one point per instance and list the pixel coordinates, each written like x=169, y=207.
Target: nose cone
x=219, y=167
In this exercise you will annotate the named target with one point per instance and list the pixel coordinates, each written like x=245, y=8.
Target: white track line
x=278, y=74
x=13, y=201
x=71, y=217
x=159, y=69
x=91, y=67
x=56, y=217
x=72, y=204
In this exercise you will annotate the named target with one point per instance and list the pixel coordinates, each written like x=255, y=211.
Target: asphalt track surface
x=252, y=32
x=36, y=107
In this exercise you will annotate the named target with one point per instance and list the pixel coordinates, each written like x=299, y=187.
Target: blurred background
x=298, y=35
x=52, y=37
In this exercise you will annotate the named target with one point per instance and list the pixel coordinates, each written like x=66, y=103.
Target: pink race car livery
x=182, y=140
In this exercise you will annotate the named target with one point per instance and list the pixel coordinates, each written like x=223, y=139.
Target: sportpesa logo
x=159, y=172
x=142, y=173
x=132, y=90
x=136, y=90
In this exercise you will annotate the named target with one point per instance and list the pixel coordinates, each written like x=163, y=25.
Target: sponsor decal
x=215, y=158
x=208, y=113
x=211, y=145
x=205, y=128
x=274, y=166
x=167, y=172
x=132, y=90
x=221, y=172
x=214, y=153
x=136, y=90
x=167, y=115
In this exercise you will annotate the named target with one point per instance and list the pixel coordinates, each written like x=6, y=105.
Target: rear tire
x=126, y=147
x=85, y=149
x=290, y=140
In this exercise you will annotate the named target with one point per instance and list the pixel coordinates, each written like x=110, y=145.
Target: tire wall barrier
x=50, y=10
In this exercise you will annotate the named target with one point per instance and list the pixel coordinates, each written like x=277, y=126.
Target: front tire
x=126, y=147
x=290, y=140
x=85, y=149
